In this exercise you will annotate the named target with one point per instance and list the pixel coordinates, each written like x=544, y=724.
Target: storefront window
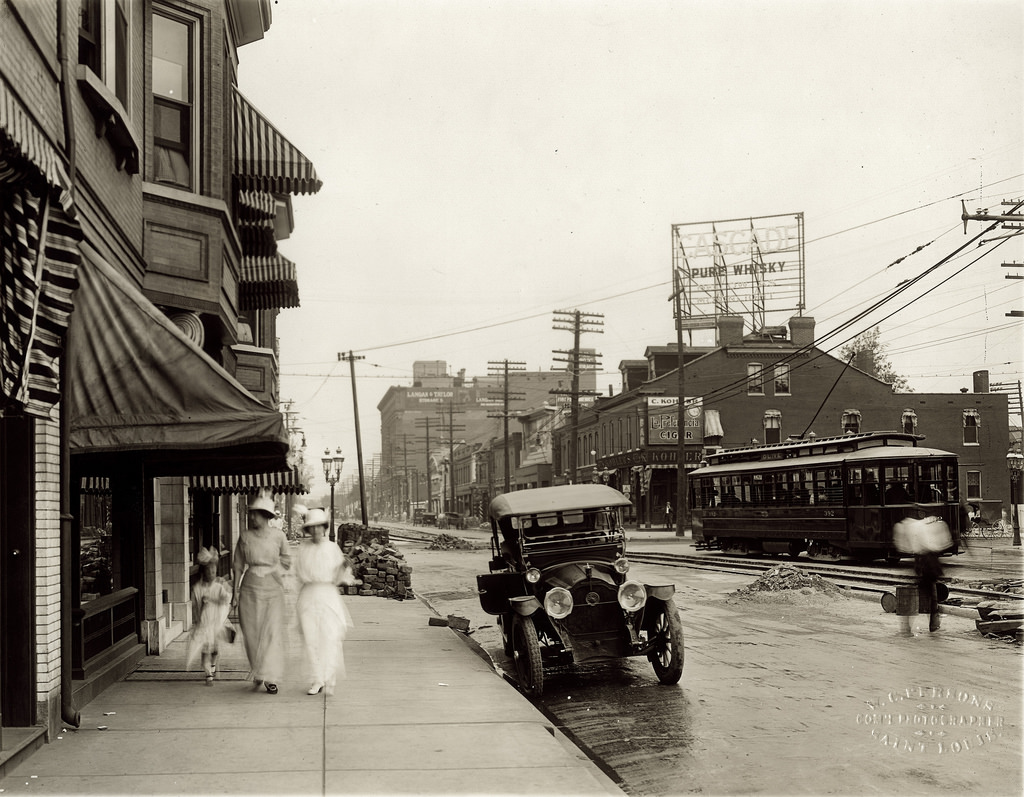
x=96, y=552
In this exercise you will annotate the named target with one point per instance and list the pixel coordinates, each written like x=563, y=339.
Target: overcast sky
x=485, y=163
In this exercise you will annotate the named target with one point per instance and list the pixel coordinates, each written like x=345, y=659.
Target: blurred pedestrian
x=668, y=515
x=929, y=570
x=261, y=557
x=211, y=603
x=323, y=619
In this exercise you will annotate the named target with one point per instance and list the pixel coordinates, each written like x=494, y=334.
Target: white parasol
x=913, y=535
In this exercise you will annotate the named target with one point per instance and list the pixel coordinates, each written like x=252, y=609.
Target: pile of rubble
x=446, y=542
x=383, y=571
x=787, y=577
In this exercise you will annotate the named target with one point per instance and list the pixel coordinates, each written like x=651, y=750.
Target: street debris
x=787, y=578
x=446, y=542
x=383, y=571
x=1000, y=619
x=451, y=621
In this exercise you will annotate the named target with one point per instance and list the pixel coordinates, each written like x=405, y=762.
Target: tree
x=869, y=353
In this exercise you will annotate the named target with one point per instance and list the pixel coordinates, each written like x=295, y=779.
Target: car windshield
x=567, y=522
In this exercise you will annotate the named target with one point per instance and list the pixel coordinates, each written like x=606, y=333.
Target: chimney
x=865, y=361
x=730, y=330
x=981, y=382
x=801, y=331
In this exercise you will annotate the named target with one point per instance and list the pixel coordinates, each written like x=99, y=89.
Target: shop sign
x=663, y=421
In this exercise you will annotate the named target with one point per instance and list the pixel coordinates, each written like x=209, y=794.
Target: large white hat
x=263, y=504
x=315, y=517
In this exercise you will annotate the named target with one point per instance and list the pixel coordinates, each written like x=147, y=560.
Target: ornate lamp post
x=332, y=473
x=1015, y=464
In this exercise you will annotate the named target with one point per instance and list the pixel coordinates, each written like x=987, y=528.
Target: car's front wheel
x=526, y=654
x=505, y=624
x=667, y=657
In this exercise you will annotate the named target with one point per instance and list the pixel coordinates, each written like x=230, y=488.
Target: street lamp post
x=332, y=473
x=1015, y=464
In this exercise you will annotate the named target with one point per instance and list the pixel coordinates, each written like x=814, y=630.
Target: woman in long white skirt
x=323, y=619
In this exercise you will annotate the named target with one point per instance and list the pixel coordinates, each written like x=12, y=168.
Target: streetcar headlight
x=632, y=596
x=622, y=565
x=533, y=575
x=558, y=603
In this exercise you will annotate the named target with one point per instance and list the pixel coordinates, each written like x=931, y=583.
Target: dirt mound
x=787, y=579
x=446, y=542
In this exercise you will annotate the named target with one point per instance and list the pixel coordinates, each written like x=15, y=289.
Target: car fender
x=660, y=591
x=524, y=605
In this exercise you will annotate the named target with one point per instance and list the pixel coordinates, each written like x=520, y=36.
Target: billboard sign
x=750, y=267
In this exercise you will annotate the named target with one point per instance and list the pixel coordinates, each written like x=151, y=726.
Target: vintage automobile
x=558, y=585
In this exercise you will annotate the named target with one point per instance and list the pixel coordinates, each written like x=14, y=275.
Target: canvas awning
x=138, y=384
x=251, y=483
x=268, y=282
x=38, y=260
x=264, y=159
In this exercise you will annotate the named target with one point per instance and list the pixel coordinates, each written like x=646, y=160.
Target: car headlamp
x=622, y=565
x=558, y=603
x=632, y=596
x=533, y=575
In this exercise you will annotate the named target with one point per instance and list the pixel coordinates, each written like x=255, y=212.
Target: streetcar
x=834, y=497
x=558, y=585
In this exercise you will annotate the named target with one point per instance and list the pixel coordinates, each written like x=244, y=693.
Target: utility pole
x=682, y=492
x=502, y=368
x=451, y=429
x=1013, y=220
x=350, y=358
x=576, y=322
x=424, y=423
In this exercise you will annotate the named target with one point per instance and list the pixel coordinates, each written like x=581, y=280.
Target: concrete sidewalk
x=420, y=711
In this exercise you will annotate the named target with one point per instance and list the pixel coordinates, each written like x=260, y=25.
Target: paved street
x=807, y=696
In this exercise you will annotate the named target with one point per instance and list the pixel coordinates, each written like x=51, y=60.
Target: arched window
x=772, y=426
x=909, y=421
x=851, y=421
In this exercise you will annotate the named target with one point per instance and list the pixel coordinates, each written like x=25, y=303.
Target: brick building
x=765, y=388
x=142, y=198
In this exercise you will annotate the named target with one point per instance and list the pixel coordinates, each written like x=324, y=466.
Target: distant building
x=439, y=408
x=765, y=388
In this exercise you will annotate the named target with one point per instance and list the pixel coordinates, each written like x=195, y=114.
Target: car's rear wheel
x=667, y=657
x=526, y=654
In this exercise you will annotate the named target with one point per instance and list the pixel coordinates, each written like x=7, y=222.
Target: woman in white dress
x=261, y=557
x=324, y=620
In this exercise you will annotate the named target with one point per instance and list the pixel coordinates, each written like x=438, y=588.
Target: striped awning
x=268, y=282
x=264, y=159
x=251, y=483
x=40, y=259
x=26, y=140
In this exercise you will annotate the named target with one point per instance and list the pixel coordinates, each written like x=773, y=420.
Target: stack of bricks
x=383, y=571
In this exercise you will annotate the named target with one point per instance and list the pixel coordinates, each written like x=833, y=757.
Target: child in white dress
x=211, y=602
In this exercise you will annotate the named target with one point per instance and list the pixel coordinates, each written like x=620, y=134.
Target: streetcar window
x=872, y=495
x=898, y=486
x=855, y=487
x=800, y=494
x=759, y=491
x=931, y=482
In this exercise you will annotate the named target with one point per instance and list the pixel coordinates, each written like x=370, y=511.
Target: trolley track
x=878, y=581
x=875, y=581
